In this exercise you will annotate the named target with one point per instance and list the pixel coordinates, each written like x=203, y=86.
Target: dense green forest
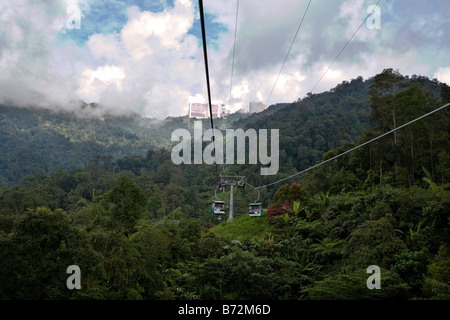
x=140, y=227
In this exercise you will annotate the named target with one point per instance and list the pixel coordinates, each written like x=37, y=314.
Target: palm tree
x=327, y=248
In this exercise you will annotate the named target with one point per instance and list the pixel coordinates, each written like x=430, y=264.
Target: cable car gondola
x=218, y=207
x=255, y=210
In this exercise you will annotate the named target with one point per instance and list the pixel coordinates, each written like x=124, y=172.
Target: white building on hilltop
x=201, y=110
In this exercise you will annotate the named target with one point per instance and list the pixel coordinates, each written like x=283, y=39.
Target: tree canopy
x=140, y=227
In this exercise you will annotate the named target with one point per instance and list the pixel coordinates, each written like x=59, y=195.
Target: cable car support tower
x=231, y=181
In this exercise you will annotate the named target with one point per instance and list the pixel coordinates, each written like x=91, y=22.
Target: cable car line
x=234, y=50
x=345, y=46
x=354, y=148
x=232, y=63
x=218, y=207
x=289, y=51
x=255, y=209
x=257, y=189
x=205, y=56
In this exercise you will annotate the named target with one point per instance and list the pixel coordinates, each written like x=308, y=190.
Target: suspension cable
x=355, y=148
x=205, y=55
x=345, y=46
x=232, y=63
x=234, y=49
x=289, y=51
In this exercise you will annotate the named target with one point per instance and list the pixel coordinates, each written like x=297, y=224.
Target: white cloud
x=354, y=13
x=443, y=75
x=26, y=54
x=198, y=98
x=240, y=90
x=150, y=64
x=105, y=46
x=148, y=29
x=153, y=66
x=94, y=82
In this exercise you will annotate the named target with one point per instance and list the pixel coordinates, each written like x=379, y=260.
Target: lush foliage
x=139, y=227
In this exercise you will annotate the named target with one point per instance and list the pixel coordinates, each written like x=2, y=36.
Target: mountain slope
x=38, y=140
x=34, y=140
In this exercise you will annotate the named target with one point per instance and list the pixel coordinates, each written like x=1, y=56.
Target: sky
x=146, y=56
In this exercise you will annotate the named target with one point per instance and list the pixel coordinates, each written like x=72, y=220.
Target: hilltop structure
x=201, y=110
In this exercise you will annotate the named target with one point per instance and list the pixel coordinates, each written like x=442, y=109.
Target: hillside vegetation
x=140, y=227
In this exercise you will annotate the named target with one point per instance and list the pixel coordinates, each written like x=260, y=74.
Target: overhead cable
x=345, y=46
x=289, y=51
x=355, y=148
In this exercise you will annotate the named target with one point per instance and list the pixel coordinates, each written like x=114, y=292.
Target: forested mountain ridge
x=140, y=227
x=318, y=123
x=36, y=140
x=39, y=140
x=321, y=122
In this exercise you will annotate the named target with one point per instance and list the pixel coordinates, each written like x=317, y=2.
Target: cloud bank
x=148, y=58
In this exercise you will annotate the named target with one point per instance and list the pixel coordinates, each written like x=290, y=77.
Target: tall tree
x=410, y=104
x=126, y=202
x=382, y=103
x=381, y=100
